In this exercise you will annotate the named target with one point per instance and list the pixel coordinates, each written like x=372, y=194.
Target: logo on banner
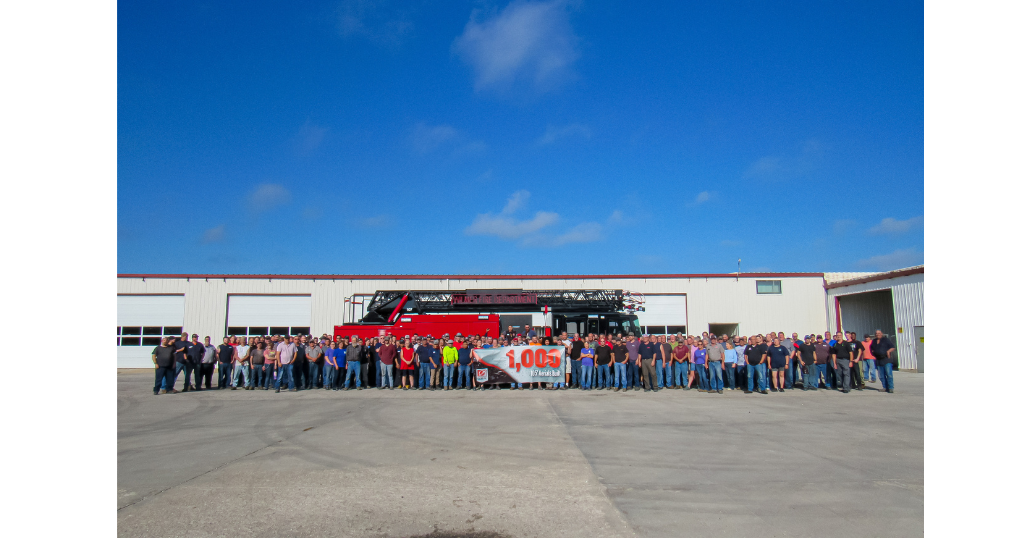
x=481, y=375
x=522, y=364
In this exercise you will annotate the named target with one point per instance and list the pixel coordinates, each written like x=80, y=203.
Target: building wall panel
x=907, y=307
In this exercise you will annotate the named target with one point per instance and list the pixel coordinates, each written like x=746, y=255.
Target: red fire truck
x=489, y=312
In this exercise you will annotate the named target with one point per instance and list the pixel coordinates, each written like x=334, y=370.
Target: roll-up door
x=259, y=315
x=141, y=321
x=663, y=314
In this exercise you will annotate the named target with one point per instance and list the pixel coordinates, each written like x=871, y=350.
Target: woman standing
x=269, y=365
x=330, y=365
x=407, y=365
x=587, y=358
x=700, y=364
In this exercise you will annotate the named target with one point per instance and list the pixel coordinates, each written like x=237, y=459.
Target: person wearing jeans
x=700, y=364
x=715, y=377
x=870, y=369
x=587, y=367
x=755, y=356
x=284, y=371
x=729, y=365
x=163, y=360
x=225, y=356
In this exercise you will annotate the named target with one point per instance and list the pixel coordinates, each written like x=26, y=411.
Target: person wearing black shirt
x=163, y=359
x=648, y=354
x=180, y=360
x=841, y=363
x=225, y=357
x=778, y=357
x=856, y=355
x=465, y=366
x=575, y=362
x=755, y=355
x=620, y=354
x=300, y=365
x=883, y=351
x=603, y=358
x=194, y=362
x=806, y=352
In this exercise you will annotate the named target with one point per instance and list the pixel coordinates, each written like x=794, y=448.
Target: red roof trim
x=875, y=278
x=473, y=277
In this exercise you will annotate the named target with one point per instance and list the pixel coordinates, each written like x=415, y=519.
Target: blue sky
x=523, y=137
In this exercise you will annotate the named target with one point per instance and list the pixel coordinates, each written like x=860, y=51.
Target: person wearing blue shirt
x=729, y=364
x=330, y=367
x=425, y=359
x=649, y=353
x=465, y=365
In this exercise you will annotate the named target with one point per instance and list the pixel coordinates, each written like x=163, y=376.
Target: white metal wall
x=907, y=307
x=273, y=310
x=716, y=299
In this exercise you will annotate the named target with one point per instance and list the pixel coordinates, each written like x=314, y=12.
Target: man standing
x=449, y=357
x=856, y=355
x=664, y=366
x=163, y=360
x=792, y=362
x=194, y=363
x=242, y=360
x=778, y=361
x=715, y=357
x=180, y=360
x=286, y=363
x=681, y=359
x=808, y=356
x=822, y=354
x=883, y=351
x=225, y=358
x=315, y=360
x=207, y=365
x=575, y=362
x=300, y=368
x=353, y=360
x=620, y=355
x=387, y=354
x=633, y=364
x=841, y=363
x=755, y=355
x=528, y=332
x=741, y=363
x=648, y=353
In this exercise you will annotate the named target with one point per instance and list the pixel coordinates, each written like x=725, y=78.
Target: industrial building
x=891, y=301
x=149, y=306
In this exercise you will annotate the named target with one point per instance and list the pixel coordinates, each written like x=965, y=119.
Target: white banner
x=520, y=364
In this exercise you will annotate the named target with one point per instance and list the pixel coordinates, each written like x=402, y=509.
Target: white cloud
x=430, y=138
x=506, y=226
x=798, y=162
x=532, y=40
x=702, y=197
x=555, y=133
x=616, y=217
x=214, y=235
x=896, y=259
x=586, y=232
x=268, y=196
x=427, y=138
x=891, y=226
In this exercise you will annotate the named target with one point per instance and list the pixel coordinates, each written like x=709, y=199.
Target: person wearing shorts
x=778, y=361
x=407, y=365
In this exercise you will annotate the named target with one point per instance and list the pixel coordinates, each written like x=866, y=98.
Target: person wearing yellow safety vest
x=449, y=356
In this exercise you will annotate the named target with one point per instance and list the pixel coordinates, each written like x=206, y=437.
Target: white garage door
x=664, y=314
x=141, y=321
x=259, y=315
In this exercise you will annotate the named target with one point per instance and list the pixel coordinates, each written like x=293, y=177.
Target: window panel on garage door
x=274, y=314
x=141, y=321
x=662, y=312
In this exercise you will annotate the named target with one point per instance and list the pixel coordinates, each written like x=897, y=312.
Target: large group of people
x=705, y=363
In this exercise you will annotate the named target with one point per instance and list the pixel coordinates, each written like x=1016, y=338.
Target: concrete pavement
x=523, y=463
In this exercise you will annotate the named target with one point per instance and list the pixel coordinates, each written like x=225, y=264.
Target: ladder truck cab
x=490, y=312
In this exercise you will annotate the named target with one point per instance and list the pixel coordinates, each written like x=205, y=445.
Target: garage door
x=664, y=314
x=260, y=315
x=141, y=321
